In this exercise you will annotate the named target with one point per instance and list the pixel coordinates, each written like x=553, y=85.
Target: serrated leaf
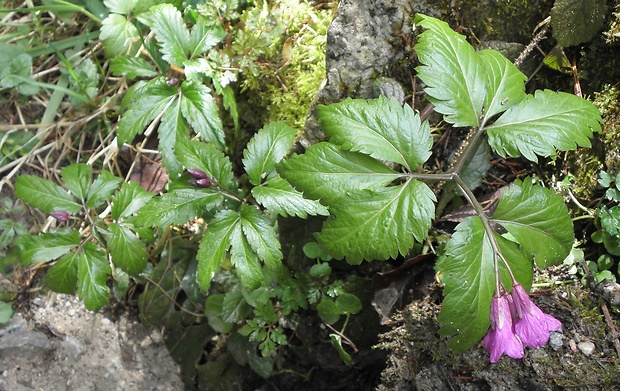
x=261, y=236
x=453, y=72
x=102, y=188
x=378, y=224
x=279, y=196
x=119, y=36
x=381, y=128
x=577, y=21
x=326, y=172
x=538, y=219
x=171, y=33
x=62, y=277
x=129, y=200
x=200, y=110
x=47, y=246
x=127, y=250
x=505, y=83
x=171, y=130
x=44, y=195
x=204, y=36
x=542, y=123
x=120, y=6
x=469, y=278
x=132, y=67
x=178, y=207
x=93, y=270
x=155, y=97
x=214, y=246
x=77, y=178
x=210, y=160
x=266, y=149
x=234, y=306
x=244, y=259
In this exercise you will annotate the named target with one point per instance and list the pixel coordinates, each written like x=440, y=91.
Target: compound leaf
x=62, y=277
x=214, y=246
x=266, y=149
x=93, y=270
x=200, y=110
x=129, y=200
x=542, y=123
x=171, y=33
x=127, y=250
x=381, y=128
x=204, y=36
x=44, y=195
x=505, y=83
x=279, y=196
x=77, y=179
x=208, y=159
x=119, y=36
x=101, y=189
x=47, y=246
x=326, y=172
x=453, y=72
x=178, y=207
x=469, y=278
x=378, y=224
x=261, y=236
x=539, y=221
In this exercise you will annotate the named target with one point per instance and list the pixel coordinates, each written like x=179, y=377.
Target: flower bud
x=60, y=215
x=196, y=173
x=203, y=182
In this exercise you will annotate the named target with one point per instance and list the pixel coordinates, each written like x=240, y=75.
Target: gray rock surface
x=63, y=346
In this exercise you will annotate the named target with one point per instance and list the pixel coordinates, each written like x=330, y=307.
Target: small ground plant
x=207, y=251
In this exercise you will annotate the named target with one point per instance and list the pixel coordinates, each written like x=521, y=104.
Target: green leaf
x=234, y=306
x=261, y=236
x=101, y=189
x=610, y=219
x=325, y=172
x=542, y=123
x=156, y=306
x=381, y=128
x=44, y=195
x=132, y=67
x=214, y=312
x=477, y=165
x=62, y=277
x=348, y=304
x=127, y=250
x=154, y=98
x=129, y=200
x=244, y=259
x=577, y=21
x=469, y=278
x=214, y=246
x=93, y=270
x=119, y=36
x=178, y=207
x=267, y=148
x=378, y=224
x=47, y=246
x=210, y=160
x=505, y=83
x=171, y=33
x=120, y=6
x=279, y=196
x=539, y=221
x=201, y=111
x=204, y=36
x=15, y=73
x=328, y=311
x=337, y=344
x=172, y=129
x=77, y=179
x=6, y=312
x=453, y=72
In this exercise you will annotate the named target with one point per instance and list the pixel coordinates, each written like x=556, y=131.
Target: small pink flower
x=532, y=325
x=501, y=338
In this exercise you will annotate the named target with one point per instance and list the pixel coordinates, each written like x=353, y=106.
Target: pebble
x=586, y=348
x=556, y=340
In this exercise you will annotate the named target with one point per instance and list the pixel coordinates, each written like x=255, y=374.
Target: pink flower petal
x=501, y=339
x=533, y=326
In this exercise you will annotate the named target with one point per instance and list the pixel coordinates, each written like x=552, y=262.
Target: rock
x=586, y=347
x=24, y=343
x=556, y=340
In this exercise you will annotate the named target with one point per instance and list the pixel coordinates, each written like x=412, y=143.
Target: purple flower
x=60, y=215
x=532, y=325
x=501, y=338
